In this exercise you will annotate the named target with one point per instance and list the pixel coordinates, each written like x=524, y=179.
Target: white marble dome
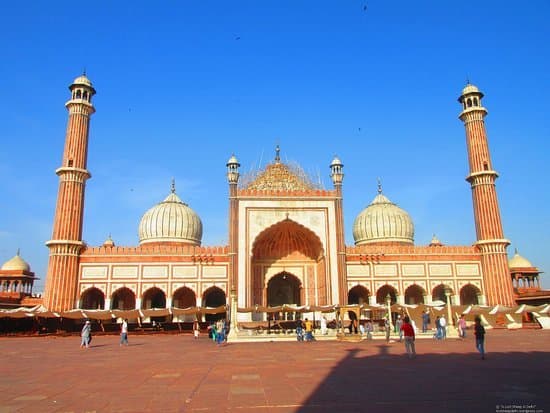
x=82, y=80
x=170, y=221
x=517, y=261
x=383, y=222
x=16, y=264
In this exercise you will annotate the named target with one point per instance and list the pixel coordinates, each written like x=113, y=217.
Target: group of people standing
x=86, y=334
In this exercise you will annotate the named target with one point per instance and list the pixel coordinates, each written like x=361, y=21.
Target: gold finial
x=173, y=186
x=277, y=154
x=18, y=251
x=379, y=185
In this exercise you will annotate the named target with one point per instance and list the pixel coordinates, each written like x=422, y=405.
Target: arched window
x=475, y=102
x=85, y=95
x=78, y=94
x=469, y=102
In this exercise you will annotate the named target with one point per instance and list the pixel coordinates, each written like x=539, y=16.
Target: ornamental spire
x=379, y=185
x=173, y=186
x=277, y=154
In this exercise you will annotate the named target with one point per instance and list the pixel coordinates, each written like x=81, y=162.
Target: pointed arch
x=92, y=299
x=383, y=292
x=284, y=288
x=154, y=297
x=184, y=297
x=123, y=299
x=286, y=238
x=438, y=293
x=469, y=295
x=358, y=295
x=414, y=294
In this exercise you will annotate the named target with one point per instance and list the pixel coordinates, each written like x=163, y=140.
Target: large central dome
x=170, y=221
x=383, y=222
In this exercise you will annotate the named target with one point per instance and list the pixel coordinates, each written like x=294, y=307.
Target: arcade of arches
x=125, y=299
x=414, y=294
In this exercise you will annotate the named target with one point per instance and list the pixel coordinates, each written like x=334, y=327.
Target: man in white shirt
x=443, y=324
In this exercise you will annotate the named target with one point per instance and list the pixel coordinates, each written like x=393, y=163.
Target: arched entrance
x=123, y=299
x=288, y=244
x=153, y=298
x=358, y=295
x=414, y=294
x=469, y=295
x=383, y=292
x=184, y=298
x=92, y=299
x=438, y=293
x=214, y=297
x=283, y=288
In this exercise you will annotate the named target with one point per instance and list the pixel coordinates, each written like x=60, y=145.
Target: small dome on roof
x=82, y=80
x=336, y=161
x=233, y=160
x=109, y=242
x=435, y=242
x=469, y=88
x=16, y=264
x=517, y=261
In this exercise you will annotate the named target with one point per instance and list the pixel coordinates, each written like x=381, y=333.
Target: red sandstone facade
x=285, y=245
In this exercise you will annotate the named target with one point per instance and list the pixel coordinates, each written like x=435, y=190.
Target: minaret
x=61, y=283
x=337, y=175
x=482, y=177
x=233, y=179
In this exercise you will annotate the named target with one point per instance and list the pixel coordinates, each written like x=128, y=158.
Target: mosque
x=286, y=242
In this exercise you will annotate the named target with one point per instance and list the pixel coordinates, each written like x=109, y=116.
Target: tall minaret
x=66, y=243
x=337, y=175
x=233, y=179
x=482, y=177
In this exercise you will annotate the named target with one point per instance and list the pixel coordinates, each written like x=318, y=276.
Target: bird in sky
x=238, y=38
x=365, y=7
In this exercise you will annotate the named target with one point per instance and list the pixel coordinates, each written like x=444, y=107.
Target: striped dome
x=383, y=222
x=170, y=221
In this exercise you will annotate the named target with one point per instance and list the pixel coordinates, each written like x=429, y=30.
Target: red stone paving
x=174, y=373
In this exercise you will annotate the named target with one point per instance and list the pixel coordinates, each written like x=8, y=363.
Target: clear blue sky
x=183, y=85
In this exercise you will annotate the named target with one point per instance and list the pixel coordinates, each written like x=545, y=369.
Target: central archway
x=283, y=288
x=283, y=245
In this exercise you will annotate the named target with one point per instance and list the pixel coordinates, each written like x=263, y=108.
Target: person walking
x=408, y=331
x=369, y=329
x=324, y=330
x=124, y=332
x=438, y=333
x=309, y=330
x=425, y=321
x=398, y=325
x=443, y=324
x=479, y=332
x=462, y=327
x=85, y=335
x=196, y=329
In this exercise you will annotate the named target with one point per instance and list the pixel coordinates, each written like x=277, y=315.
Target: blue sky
x=183, y=85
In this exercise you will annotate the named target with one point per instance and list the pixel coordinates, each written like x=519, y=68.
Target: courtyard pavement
x=175, y=373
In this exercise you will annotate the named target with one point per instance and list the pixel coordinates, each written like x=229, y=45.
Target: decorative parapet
x=405, y=252
x=159, y=249
x=299, y=193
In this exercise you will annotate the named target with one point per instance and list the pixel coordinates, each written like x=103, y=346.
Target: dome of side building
x=170, y=221
x=383, y=222
x=16, y=264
